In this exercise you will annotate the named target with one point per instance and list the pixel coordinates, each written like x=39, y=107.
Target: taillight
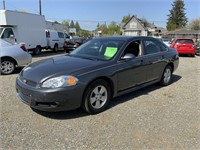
x=48, y=34
x=77, y=44
x=194, y=46
x=65, y=44
x=23, y=48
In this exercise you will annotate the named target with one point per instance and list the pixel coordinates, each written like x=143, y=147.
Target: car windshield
x=100, y=49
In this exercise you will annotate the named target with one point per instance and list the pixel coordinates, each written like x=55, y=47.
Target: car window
x=7, y=33
x=98, y=49
x=152, y=46
x=134, y=48
x=163, y=47
x=60, y=35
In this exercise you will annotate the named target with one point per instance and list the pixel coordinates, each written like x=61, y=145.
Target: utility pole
x=40, y=8
x=4, y=5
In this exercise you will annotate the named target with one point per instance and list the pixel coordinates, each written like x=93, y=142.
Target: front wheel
x=167, y=76
x=96, y=97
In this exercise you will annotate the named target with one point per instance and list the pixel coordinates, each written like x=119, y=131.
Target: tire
x=37, y=50
x=167, y=76
x=67, y=50
x=55, y=49
x=7, y=66
x=95, y=101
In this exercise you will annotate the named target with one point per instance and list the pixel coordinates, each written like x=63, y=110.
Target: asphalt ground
x=151, y=118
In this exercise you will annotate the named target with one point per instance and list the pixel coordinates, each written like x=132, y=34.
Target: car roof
x=127, y=38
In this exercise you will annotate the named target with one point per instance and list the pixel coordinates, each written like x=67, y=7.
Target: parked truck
x=25, y=28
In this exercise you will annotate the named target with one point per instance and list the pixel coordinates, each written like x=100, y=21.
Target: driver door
x=131, y=72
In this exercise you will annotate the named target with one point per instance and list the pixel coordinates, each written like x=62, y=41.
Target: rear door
x=154, y=58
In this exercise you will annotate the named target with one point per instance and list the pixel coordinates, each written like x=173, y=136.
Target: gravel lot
x=151, y=118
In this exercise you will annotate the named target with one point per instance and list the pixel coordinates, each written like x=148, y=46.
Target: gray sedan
x=12, y=55
x=94, y=73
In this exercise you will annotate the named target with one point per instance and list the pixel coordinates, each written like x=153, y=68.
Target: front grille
x=28, y=82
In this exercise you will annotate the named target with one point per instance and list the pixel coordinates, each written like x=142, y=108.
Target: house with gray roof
x=136, y=27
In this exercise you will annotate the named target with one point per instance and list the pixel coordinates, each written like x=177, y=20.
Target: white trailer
x=24, y=28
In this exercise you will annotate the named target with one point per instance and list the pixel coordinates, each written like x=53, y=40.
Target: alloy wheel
x=167, y=75
x=98, y=97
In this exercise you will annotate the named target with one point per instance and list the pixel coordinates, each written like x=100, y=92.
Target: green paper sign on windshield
x=110, y=51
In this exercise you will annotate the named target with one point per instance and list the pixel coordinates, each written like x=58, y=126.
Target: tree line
x=176, y=20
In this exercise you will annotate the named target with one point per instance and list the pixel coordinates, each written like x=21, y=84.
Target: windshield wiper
x=94, y=59
x=84, y=57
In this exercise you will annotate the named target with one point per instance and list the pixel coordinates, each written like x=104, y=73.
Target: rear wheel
x=7, y=66
x=37, y=50
x=96, y=97
x=167, y=76
x=67, y=50
x=55, y=49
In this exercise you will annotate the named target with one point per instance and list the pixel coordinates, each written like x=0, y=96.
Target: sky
x=89, y=13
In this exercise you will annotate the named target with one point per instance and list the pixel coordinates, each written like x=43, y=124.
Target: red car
x=184, y=46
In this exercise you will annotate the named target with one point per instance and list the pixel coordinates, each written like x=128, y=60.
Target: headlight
x=60, y=82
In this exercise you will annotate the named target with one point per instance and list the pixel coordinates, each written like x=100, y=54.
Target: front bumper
x=59, y=99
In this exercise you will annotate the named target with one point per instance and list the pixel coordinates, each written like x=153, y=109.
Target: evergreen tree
x=77, y=26
x=98, y=26
x=177, y=17
x=72, y=24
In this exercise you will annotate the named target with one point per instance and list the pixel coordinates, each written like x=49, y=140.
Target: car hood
x=62, y=65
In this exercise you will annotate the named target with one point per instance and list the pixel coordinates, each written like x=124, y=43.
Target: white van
x=55, y=39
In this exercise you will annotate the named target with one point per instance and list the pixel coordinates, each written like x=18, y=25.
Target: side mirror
x=12, y=36
x=128, y=56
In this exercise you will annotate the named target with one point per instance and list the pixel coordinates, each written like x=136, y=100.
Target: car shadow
x=18, y=70
x=78, y=113
x=63, y=115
